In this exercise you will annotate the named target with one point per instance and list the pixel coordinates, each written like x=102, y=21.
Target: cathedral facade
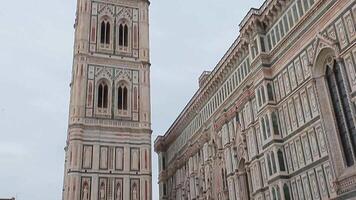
x=108, y=148
x=275, y=119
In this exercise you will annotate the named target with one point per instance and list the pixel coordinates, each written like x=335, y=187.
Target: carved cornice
x=255, y=20
x=262, y=17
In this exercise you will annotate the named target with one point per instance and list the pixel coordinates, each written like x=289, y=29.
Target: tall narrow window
x=119, y=99
x=263, y=94
x=281, y=161
x=268, y=126
x=125, y=98
x=123, y=35
x=263, y=128
x=105, y=32
x=286, y=192
x=126, y=33
x=103, y=95
x=122, y=97
x=269, y=165
x=270, y=92
x=106, y=90
x=102, y=32
x=342, y=111
x=275, y=123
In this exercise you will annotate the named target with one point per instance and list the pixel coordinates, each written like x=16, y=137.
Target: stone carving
x=103, y=72
x=102, y=191
x=118, y=195
x=134, y=192
x=85, y=194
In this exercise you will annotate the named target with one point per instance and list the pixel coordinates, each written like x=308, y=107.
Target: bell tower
x=108, y=148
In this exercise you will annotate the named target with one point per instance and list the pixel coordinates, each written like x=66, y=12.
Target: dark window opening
x=269, y=165
x=286, y=192
x=103, y=95
x=105, y=32
x=342, y=110
x=102, y=32
x=282, y=167
x=270, y=92
x=119, y=99
x=123, y=35
x=122, y=98
x=275, y=123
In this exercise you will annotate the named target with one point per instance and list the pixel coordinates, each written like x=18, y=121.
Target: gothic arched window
x=105, y=32
x=286, y=192
x=122, y=97
x=342, y=111
x=275, y=123
x=103, y=93
x=281, y=160
x=270, y=92
x=123, y=35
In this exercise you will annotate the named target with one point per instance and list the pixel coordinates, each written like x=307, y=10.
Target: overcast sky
x=36, y=37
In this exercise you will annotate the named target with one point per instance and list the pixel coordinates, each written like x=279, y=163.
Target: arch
x=102, y=32
x=124, y=33
x=105, y=30
x=270, y=92
x=121, y=34
x=286, y=192
x=243, y=180
x=123, y=96
x=320, y=62
x=107, y=33
x=330, y=82
x=282, y=166
x=103, y=94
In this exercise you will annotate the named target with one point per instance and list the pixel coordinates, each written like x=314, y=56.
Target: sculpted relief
x=85, y=193
x=135, y=195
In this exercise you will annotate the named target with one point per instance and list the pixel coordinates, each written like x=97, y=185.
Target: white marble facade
x=276, y=118
x=108, y=149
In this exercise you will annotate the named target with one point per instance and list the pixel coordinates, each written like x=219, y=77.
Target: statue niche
x=85, y=192
x=118, y=195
